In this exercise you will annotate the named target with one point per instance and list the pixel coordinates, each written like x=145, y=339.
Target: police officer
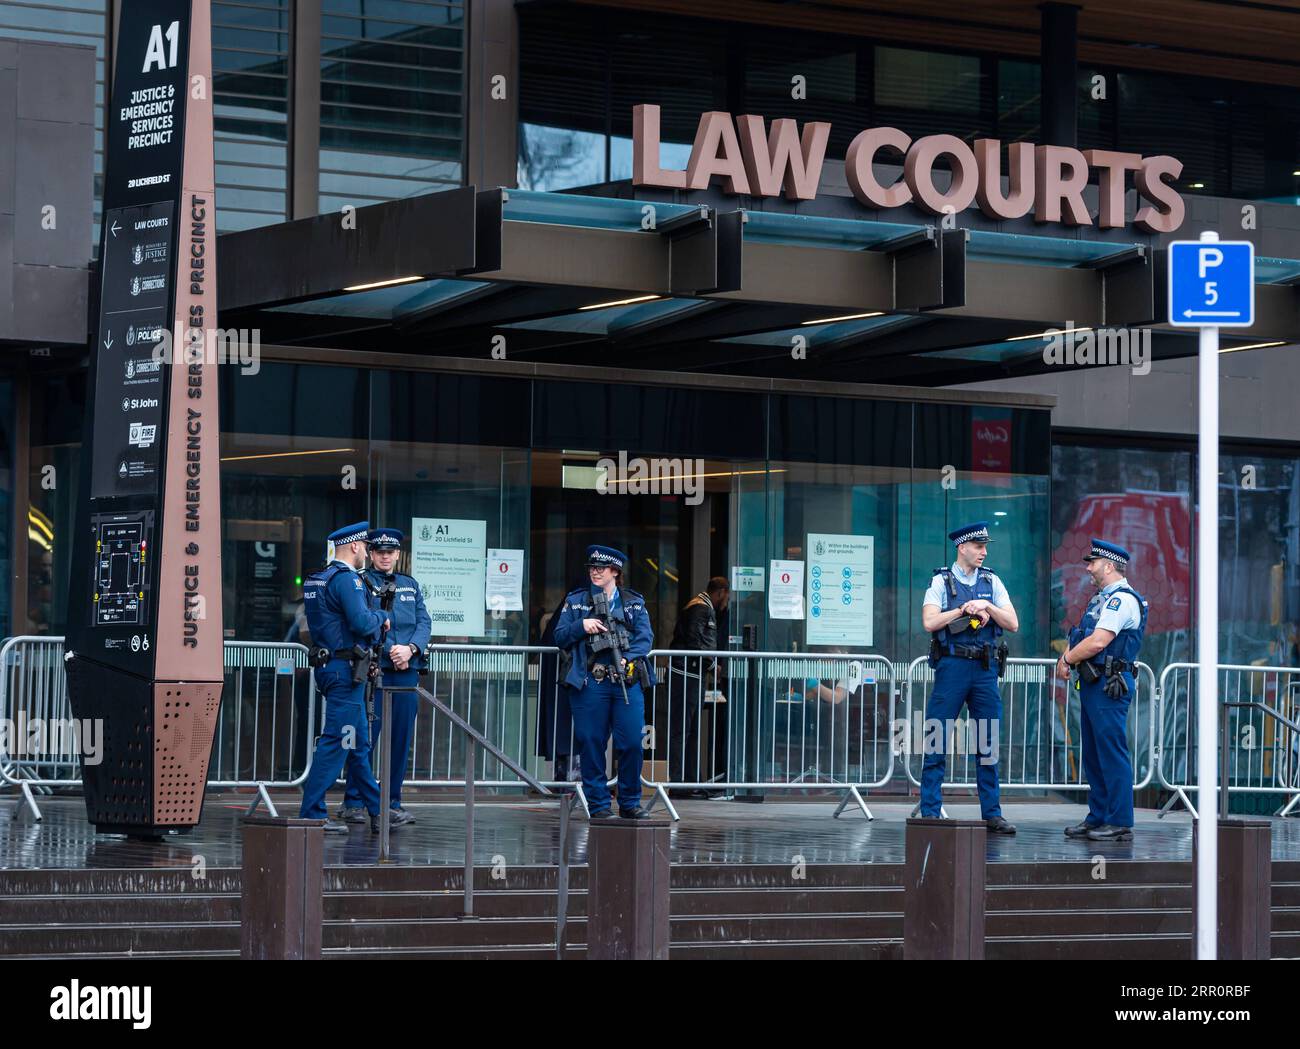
x=342, y=625
x=600, y=702
x=402, y=661
x=1102, y=651
x=966, y=609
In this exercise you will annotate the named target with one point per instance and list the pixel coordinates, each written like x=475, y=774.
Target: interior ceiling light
x=846, y=317
x=1050, y=333
x=1252, y=346
x=382, y=283
x=620, y=302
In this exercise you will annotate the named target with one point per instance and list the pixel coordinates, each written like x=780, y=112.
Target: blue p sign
x=1211, y=284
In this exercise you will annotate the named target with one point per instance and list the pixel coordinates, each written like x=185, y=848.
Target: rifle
x=386, y=594
x=610, y=640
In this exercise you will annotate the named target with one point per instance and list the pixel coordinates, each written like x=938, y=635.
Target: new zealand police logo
x=130, y=337
x=1113, y=605
x=137, y=254
x=135, y=285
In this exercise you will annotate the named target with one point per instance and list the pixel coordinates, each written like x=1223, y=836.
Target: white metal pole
x=1207, y=628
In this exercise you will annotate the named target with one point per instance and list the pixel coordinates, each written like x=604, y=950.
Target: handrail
x=473, y=738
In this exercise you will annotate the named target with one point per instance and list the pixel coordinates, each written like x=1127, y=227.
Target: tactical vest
x=325, y=619
x=958, y=594
x=1125, y=645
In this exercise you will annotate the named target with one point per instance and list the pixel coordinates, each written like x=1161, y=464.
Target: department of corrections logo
x=135, y=285
x=137, y=254
x=130, y=367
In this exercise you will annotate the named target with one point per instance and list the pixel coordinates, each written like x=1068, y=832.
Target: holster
x=936, y=652
x=318, y=657
x=360, y=664
x=1088, y=673
x=985, y=657
x=1003, y=655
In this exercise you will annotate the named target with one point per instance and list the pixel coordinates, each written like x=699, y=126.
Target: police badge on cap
x=605, y=557
x=385, y=538
x=978, y=532
x=1111, y=552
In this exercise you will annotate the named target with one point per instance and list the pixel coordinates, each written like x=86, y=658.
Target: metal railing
x=726, y=721
x=263, y=736
x=771, y=721
x=1259, y=710
x=1038, y=742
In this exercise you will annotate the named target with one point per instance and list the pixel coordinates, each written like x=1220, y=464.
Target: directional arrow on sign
x=114, y=228
x=108, y=343
x=1211, y=313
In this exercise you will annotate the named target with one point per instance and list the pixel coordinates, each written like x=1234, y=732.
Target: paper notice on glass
x=840, y=583
x=447, y=562
x=505, y=581
x=746, y=579
x=785, y=592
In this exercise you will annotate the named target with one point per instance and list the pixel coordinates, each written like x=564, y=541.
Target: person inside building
x=689, y=682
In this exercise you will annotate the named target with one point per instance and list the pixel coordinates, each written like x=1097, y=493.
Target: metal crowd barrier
x=1259, y=708
x=1038, y=739
x=264, y=730
x=769, y=721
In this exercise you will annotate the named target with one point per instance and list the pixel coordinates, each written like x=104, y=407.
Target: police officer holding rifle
x=604, y=634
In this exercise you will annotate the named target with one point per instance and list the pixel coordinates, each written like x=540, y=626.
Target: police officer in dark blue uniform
x=601, y=703
x=403, y=659
x=342, y=625
x=1102, y=652
x=966, y=609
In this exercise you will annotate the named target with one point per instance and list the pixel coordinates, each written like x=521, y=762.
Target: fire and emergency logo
x=142, y=434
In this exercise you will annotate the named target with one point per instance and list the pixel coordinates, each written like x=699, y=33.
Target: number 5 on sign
x=1212, y=283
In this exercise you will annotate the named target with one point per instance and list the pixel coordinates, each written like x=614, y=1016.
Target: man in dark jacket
x=688, y=681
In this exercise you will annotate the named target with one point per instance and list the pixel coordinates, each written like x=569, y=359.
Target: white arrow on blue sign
x=1211, y=283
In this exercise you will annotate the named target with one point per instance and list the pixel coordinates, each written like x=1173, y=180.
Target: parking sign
x=1211, y=283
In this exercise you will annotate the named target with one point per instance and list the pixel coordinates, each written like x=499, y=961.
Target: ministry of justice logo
x=425, y=532
x=137, y=254
x=820, y=548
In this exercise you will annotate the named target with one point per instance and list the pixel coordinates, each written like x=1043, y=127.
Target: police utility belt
x=320, y=657
x=989, y=655
x=1112, y=670
x=635, y=671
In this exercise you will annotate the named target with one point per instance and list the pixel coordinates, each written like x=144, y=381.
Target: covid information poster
x=447, y=560
x=840, y=589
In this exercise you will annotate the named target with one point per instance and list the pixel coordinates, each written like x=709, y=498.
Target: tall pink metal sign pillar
x=144, y=607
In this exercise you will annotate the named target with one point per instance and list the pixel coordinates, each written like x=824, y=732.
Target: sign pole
x=1207, y=626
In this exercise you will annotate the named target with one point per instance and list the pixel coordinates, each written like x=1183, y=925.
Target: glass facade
x=580, y=79
x=391, y=105
x=250, y=73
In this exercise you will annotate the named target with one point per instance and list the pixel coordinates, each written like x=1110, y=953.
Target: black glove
x=1116, y=687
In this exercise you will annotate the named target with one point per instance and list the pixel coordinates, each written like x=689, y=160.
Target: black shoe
x=602, y=814
x=1108, y=832
x=637, y=813
x=997, y=825
x=374, y=823
x=1080, y=830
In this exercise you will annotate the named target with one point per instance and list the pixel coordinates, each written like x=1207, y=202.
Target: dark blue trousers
x=345, y=738
x=957, y=683
x=598, y=710
x=1107, y=765
x=405, y=705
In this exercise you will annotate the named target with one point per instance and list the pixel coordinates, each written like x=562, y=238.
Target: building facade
x=899, y=424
